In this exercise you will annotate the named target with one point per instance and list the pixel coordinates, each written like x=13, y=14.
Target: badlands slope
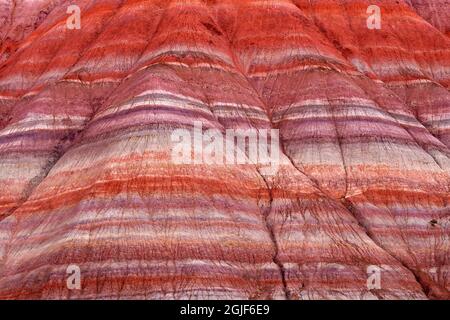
x=86, y=170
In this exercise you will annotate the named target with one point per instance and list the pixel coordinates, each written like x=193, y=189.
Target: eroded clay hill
x=87, y=176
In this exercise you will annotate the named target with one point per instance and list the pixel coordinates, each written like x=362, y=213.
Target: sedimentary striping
x=87, y=176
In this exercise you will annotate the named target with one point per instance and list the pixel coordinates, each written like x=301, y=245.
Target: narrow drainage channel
x=266, y=211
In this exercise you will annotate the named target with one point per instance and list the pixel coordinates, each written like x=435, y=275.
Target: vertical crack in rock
x=429, y=287
x=266, y=210
x=348, y=207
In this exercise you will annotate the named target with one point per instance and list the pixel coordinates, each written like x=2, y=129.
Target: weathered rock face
x=88, y=177
x=436, y=12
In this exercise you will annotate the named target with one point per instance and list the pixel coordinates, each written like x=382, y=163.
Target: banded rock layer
x=88, y=178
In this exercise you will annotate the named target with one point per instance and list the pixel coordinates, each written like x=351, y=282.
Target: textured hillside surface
x=87, y=178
